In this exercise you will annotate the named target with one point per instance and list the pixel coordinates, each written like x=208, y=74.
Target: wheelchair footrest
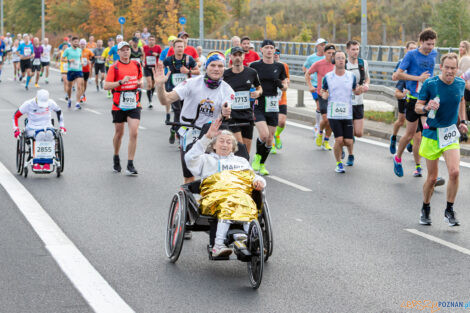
x=241, y=251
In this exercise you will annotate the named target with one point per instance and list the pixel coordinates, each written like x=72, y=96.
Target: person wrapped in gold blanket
x=227, y=182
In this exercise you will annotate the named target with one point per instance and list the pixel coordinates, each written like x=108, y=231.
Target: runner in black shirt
x=272, y=76
x=137, y=53
x=243, y=81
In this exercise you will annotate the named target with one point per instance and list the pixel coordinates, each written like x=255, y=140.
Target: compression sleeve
x=60, y=118
x=16, y=116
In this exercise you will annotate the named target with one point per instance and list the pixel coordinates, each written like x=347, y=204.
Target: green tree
x=452, y=22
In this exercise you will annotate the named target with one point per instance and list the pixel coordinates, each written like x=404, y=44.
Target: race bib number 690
x=447, y=136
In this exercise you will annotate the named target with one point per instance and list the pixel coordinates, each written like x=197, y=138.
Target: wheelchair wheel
x=176, y=227
x=255, y=246
x=20, y=146
x=265, y=223
x=59, y=151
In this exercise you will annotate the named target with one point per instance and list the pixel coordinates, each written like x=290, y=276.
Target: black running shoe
x=171, y=140
x=131, y=170
x=439, y=182
x=425, y=218
x=167, y=119
x=97, y=88
x=450, y=218
x=150, y=105
x=117, y=165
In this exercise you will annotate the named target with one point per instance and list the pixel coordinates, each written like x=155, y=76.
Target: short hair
x=244, y=38
x=409, y=43
x=210, y=147
x=330, y=47
x=352, y=43
x=427, y=34
x=235, y=37
x=75, y=38
x=450, y=55
x=178, y=40
x=152, y=36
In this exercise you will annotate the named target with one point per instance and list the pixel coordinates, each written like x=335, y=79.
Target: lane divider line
x=282, y=180
x=92, y=111
x=142, y=127
x=365, y=140
x=440, y=241
x=96, y=291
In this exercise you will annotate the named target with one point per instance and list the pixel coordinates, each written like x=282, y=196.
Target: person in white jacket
x=223, y=145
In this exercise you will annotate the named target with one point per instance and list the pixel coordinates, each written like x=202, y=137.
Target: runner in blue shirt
x=442, y=98
x=2, y=55
x=26, y=53
x=114, y=50
x=416, y=67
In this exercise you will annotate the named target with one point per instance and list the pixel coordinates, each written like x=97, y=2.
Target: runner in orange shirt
x=87, y=56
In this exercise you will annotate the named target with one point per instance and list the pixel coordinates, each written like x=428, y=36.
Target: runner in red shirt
x=125, y=80
x=189, y=50
x=152, y=56
x=250, y=55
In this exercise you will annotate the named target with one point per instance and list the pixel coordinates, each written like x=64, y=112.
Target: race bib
x=36, y=62
x=27, y=52
x=188, y=136
x=272, y=104
x=128, y=100
x=99, y=61
x=74, y=65
x=447, y=136
x=84, y=61
x=65, y=67
x=339, y=110
x=241, y=101
x=136, y=59
x=44, y=149
x=151, y=60
x=178, y=78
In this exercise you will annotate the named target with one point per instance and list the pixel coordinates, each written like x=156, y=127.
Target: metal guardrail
x=382, y=59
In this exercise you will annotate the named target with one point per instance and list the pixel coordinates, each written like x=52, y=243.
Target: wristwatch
x=464, y=122
x=120, y=82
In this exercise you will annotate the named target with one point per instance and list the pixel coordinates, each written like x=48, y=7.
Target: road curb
x=368, y=131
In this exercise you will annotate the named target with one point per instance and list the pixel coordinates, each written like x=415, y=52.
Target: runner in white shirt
x=46, y=58
x=39, y=124
x=205, y=98
x=15, y=58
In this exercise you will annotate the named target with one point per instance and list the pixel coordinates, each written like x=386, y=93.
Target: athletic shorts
x=283, y=109
x=44, y=64
x=36, y=68
x=86, y=75
x=358, y=112
x=430, y=150
x=323, y=105
x=73, y=75
x=148, y=71
x=25, y=64
x=401, y=106
x=315, y=95
x=342, y=128
x=99, y=67
x=410, y=114
x=271, y=118
x=120, y=116
x=247, y=131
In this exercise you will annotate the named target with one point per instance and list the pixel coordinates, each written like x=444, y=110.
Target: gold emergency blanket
x=227, y=195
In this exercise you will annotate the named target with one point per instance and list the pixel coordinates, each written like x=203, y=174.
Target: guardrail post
x=300, y=98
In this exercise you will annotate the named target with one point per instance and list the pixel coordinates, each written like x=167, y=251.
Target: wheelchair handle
x=183, y=124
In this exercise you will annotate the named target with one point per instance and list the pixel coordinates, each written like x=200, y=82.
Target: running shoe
x=350, y=161
x=393, y=145
x=109, y=94
x=47, y=81
x=131, y=170
x=21, y=78
x=263, y=171
x=171, y=140
x=26, y=87
x=97, y=88
x=69, y=103
x=46, y=167
x=319, y=140
x=220, y=251
x=439, y=182
x=340, y=168
x=256, y=163
x=167, y=118
x=150, y=105
x=278, y=142
x=78, y=107
x=417, y=172
x=425, y=219
x=397, y=167
x=326, y=146
x=37, y=167
x=409, y=147
x=66, y=97
x=14, y=78
x=273, y=149
x=83, y=99
x=40, y=75
x=315, y=131
x=116, y=164
x=449, y=217
x=101, y=84
x=36, y=85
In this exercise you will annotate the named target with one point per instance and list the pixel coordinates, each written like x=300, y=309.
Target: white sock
x=222, y=230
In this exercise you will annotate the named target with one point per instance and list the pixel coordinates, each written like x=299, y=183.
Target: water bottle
x=432, y=113
x=252, y=89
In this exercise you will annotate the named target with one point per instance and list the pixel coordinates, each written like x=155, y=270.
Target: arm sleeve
x=16, y=116
x=354, y=85
x=196, y=156
x=324, y=84
x=58, y=111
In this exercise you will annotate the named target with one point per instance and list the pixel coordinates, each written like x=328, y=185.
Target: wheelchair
x=25, y=154
x=185, y=215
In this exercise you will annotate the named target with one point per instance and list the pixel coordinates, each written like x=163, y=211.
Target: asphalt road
x=341, y=247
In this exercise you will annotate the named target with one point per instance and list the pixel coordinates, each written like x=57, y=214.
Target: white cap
x=82, y=41
x=123, y=44
x=119, y=37
x=320, y=40
x=42, y=98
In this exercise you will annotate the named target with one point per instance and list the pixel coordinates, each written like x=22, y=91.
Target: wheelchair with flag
x=30, y=152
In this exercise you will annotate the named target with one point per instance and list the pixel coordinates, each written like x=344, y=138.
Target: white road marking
x=92, y=111
x=440, y=241
x=282, y=180
x=298, y=220
x=95, y=290
x=365, y=140
x=54, y=69
x=142, y=127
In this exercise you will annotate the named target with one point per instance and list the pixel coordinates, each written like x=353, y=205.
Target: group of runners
x=248, y=89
